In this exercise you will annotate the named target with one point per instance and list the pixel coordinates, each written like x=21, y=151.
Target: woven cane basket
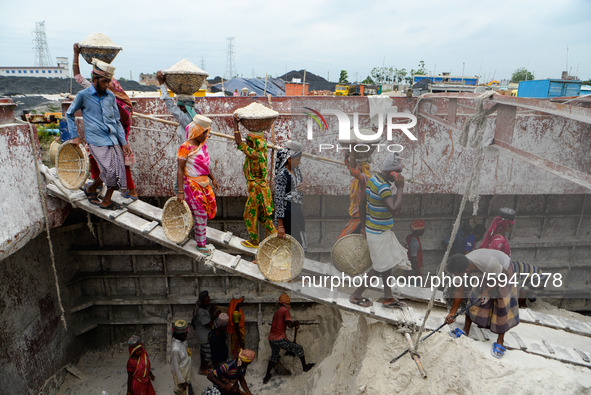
x=350, y=255
x=177, y=220
x=106, y=54
x=72, y=165
x=184, y=83
x=280, y=260
x=53, y=150
x=258, y=124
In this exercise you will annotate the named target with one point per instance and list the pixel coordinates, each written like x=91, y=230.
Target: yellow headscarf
x=246, y=356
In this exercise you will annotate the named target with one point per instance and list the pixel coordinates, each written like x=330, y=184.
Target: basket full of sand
x=256, y=118
x=350, y=255
x=98, y=46
x=184, y=78
x=72, y=165
x=280, y=260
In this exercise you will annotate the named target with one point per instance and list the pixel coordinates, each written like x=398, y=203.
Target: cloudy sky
x=485, y=38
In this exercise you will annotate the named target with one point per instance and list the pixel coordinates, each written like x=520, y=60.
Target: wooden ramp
x=144, y=219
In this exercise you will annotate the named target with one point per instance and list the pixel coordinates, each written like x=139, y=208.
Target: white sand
x=353, y=358
x=255, y=111
x=185, y=66
x=98, y=40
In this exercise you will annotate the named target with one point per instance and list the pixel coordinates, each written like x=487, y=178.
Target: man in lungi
x=278, y=339
x=379, y=207
x=103, y=132
x=498, y=309
x=227, y=377
x=259, y=205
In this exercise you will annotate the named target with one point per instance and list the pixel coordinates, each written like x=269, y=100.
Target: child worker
x=259, y=205
x=196, y=178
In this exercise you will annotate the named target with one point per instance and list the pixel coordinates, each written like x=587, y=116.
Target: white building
x=61, y=71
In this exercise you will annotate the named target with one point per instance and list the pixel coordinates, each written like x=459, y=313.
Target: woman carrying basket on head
x=194, y=174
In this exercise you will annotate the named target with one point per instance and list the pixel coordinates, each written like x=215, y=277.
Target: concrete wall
x=21, y=213
x=437, y=159
x=34, y=346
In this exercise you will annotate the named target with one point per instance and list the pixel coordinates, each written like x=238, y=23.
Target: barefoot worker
x=499, y=310
x=278, y=339
x=125, y=111
x=379, y=208
x=103, y=132
x=196, y=177
x=259, y=205
x=139, y=373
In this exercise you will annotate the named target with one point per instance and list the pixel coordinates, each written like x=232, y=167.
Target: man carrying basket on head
x=103, y=132
x=259, y=205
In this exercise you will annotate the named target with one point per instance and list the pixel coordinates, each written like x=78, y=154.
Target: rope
x=471, y=193
x=47, y=230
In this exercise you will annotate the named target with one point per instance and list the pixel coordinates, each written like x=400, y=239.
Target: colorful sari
x=259, y=205
x=360, y=174
x=139, y=369
x=235, y=326
x=198, y=191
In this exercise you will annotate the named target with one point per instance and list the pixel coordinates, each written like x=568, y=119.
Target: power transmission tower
x=230, y=66
x=40, y=47
x=202, y=64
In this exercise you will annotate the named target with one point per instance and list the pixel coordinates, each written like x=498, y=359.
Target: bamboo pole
x=272, y=145
x=415, y=356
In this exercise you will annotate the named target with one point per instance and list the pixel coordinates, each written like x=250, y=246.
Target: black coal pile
x=11, y=86
x=316, y=82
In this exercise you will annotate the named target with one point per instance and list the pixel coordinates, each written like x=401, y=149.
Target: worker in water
x=278, y=338
x=259, y=205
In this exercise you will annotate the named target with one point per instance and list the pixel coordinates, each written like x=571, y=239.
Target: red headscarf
x=498, y=225
x=139, y=368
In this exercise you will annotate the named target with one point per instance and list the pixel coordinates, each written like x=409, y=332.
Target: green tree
x=343, y=78
x=522, y=74
x=368, y=80
x=400, y=75
x=420, y=71
x=382, y=75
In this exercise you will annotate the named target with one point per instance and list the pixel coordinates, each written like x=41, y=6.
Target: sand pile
x=255, y=111
x=359, y=364
x=185, y=66
x=352, y=356
x=98, y=40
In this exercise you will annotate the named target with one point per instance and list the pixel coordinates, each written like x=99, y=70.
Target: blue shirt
x=102, y=125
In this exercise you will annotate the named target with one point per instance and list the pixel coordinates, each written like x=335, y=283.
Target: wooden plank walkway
x=144, y=219
x=126, y=219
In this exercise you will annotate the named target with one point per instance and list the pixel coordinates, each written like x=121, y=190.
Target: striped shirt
x=377, y=217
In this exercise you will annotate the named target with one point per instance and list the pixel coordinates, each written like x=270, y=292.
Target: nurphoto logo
x=364, y=142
